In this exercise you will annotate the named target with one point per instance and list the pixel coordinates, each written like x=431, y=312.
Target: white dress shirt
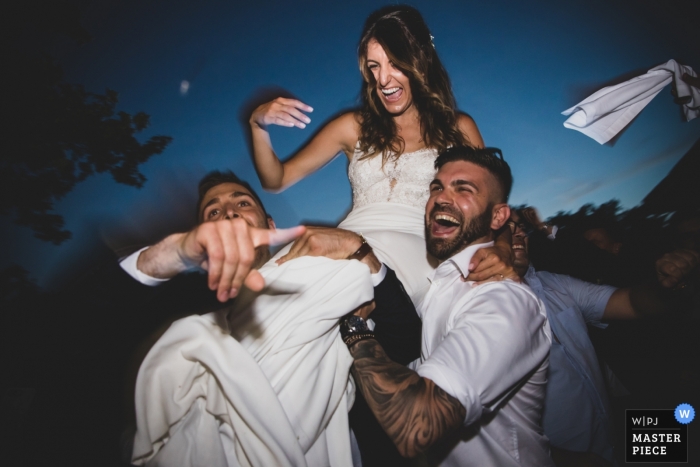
x=128, y=264
x=487, y=346
x=576, y=411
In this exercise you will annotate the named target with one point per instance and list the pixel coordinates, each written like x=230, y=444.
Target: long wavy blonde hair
x=406, y=39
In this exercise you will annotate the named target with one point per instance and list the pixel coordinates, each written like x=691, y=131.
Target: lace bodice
x=404, y=180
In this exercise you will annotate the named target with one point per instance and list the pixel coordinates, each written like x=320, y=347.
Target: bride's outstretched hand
x=283, y=112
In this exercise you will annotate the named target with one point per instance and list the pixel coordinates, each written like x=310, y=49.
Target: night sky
x=515, y=66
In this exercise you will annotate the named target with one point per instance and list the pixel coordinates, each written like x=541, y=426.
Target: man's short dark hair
x=216, y=178
x=490, y=159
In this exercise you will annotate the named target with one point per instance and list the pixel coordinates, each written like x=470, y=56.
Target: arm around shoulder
x=646, y=300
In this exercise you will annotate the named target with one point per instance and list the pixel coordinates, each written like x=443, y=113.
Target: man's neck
x=484, y=239
x=462, y=260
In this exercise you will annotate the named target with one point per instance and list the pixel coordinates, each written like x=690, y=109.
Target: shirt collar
x=533, y=281
x=461, y=260
x=530, y=273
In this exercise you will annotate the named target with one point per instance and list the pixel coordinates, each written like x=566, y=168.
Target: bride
x=210, y=380
x=408, y=115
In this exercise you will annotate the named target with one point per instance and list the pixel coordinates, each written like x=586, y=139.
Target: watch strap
x=352, y=339
x=363, y=251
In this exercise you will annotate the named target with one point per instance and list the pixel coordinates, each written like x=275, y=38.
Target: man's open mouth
x=444, y=224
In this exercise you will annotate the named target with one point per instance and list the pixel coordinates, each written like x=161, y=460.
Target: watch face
x=354, y=324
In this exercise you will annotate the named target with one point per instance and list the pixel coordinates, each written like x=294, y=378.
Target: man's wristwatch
x=362, y=251
x=354, y=329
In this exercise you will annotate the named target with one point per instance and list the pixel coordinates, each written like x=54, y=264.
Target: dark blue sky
x=515, y=66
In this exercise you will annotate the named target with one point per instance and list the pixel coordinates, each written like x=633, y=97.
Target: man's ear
x=271, y=223
x=501, y=214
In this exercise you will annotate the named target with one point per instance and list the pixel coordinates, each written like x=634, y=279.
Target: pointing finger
x=254, y=281
x=276, y=237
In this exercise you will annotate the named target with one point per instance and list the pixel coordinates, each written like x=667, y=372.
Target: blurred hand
x=532, y=217
x=283, y=112
x=673, y=267
x=227, y=249
x=692, y=80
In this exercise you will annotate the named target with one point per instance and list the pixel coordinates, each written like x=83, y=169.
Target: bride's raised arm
x=338, y=135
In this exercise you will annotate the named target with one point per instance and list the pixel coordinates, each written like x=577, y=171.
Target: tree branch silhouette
x=57, y=134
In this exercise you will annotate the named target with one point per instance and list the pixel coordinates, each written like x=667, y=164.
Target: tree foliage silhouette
x=589, y=214
x=57, y=134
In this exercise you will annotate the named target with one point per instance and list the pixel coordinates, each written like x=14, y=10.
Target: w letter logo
x=684, y=413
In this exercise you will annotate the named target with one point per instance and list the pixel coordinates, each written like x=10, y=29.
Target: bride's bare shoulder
x=468, y=127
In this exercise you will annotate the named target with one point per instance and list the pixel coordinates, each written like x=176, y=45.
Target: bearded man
x=475, y=396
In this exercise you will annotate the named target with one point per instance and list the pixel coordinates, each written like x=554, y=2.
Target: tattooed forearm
x=413, y=410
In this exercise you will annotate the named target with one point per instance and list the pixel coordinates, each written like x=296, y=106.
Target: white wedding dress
x=266, y=380
x=389, y=211
x=262, y=382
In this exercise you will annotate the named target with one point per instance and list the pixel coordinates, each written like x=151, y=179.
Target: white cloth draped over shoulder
x=606, y=112
x=389, y=211
x=263, y=382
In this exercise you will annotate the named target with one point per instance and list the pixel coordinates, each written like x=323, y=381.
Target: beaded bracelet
x=354, y=338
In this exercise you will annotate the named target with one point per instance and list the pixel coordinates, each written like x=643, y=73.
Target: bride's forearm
x=268, y=166
x=338, y=135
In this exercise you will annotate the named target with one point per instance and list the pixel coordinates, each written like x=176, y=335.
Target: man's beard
x=443, y=248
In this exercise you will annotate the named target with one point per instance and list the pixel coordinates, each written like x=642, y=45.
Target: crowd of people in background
x=641, y=361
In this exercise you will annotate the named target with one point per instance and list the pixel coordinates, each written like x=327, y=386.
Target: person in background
x=577, y=414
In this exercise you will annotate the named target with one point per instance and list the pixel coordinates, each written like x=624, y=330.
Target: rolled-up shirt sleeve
x=494, y=338
x=128, y=264
x=590, y=298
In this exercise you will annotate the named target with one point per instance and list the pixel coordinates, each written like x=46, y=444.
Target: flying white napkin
x=606, y=112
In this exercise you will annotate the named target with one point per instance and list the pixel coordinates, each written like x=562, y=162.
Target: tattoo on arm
x=413, y=411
